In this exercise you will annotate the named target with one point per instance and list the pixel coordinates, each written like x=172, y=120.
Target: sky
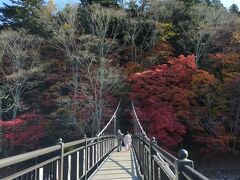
x=61, y=3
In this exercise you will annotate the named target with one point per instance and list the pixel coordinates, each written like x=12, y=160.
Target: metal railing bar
x=74, y=143
x=26, y=156
x=105, y=136
x=31, y=168
x=80, y=148
x=161, y=159
x=69, y=144
x=94, y=143
x=94, y=138
x=192, y=174
x=147, y=148
x=73, y=151
x=144, y=139
x=165, y=168
x=100, y=139
x=165, y=158
x=165, y=155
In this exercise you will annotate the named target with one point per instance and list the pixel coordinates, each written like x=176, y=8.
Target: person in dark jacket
x=119, y=140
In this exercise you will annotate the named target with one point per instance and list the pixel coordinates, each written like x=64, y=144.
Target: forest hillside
x=62, y=72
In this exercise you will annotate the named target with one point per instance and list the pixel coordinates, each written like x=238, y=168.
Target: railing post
x=138, y=144
x=86, y=156
x=60, y=164
x=152, y=153
x=144, y=156
x=181, y=162
x=97, y=156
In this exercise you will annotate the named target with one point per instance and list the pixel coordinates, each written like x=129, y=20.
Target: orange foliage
x=201, y=80
x=226, y=65
x=131, y=68
x=159, y=54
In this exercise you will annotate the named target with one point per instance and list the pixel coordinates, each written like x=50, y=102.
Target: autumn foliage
x=162, y=96
x=161, y=122
x=74, y=67
x=225, y=66
x=176, y=100
x=24, y=132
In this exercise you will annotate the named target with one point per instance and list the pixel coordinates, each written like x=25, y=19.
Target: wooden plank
x=119, y=166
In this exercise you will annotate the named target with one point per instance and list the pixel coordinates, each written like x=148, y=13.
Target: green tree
x=105, y=3
x=19, y=13
x=217, y=3
x=234, y=9
x=191, y=2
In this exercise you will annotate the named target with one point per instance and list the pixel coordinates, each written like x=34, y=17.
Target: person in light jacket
x=128, y=141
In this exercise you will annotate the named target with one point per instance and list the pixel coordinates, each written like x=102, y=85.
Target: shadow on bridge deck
x=119, y=166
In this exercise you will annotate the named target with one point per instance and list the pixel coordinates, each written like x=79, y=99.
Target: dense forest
x=63, y=71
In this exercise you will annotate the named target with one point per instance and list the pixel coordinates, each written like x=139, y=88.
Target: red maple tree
x=24, y=132
x=175, y=99
x=162, y=96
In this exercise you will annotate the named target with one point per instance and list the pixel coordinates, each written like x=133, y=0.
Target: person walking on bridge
x=128, y=141
x=119, y=140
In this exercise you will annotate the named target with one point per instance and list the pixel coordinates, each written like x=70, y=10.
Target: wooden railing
x=64, y=161
x=156, y=163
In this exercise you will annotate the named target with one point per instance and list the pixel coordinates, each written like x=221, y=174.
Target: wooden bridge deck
x=119, y=166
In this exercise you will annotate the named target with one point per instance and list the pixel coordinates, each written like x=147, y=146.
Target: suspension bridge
x=96, y=158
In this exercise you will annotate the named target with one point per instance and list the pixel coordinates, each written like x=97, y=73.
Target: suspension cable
x=138, y=122
x=105, y=127
x=113, y=116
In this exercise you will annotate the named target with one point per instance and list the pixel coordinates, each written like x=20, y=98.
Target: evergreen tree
x=234, y=9
x=19, y=13
x=217, y=3
x=208, y=2
x=191, y=2
x=105, y=3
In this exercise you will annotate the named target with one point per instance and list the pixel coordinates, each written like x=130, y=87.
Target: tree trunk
x=1, y=133
x=16, y=100
x=76, y=81
x=1, y=115
x=98, y=119
x=134, y=51
x=14, y=112
x=236, y=131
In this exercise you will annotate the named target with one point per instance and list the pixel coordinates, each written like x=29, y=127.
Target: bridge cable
x=113, y=116
x=138, y=122
x=109, y=122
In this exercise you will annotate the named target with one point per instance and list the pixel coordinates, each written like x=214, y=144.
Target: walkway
x=119, y=166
